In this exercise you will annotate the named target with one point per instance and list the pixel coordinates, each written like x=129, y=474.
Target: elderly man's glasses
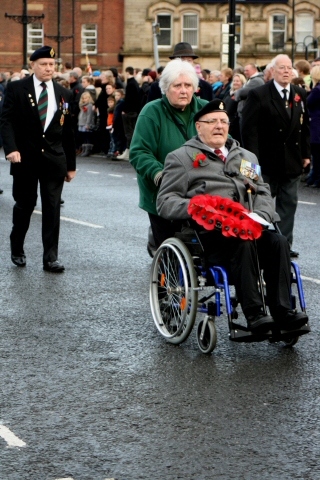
x=214, y=121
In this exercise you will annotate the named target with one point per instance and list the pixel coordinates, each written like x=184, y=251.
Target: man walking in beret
x=39, y=142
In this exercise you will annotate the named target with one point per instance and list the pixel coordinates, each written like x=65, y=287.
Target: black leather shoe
x=53, y=267
x=292, y=320
x=19, y=260
x=294, y=254
x=1, y=191
x=260, y=323
x=61, y=201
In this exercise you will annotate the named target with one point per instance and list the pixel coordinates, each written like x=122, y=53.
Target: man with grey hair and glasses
x=275, y=127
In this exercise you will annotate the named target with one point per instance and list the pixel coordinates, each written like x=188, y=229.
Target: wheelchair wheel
x=209, y=338
x=173, y=294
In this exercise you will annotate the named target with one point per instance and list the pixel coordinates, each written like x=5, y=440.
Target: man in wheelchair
x=213, y=163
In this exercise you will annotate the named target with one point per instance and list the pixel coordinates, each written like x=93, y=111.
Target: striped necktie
x=220, y=154
x=43, y=104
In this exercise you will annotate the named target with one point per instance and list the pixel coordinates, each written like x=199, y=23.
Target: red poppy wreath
x=214, y=212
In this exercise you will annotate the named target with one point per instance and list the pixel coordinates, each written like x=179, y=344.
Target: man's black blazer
x=50, y=153
x=279, y=142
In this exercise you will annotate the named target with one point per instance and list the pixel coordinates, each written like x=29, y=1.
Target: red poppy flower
x=215, y=212
x=200, y=217
x=297, y=98
x=198, y=160
x=229, y=227
x=250, y=230
x=214, y=220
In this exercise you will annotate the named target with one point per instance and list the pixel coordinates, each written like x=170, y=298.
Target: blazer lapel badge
x=31, y=100
x=65, y=110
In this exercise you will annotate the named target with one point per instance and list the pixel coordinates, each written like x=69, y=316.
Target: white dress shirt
x=280, y=88
x=52, y=104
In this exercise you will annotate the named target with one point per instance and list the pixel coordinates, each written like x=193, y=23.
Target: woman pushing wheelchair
x=208, y=181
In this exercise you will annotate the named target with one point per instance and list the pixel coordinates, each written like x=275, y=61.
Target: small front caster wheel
x=207, y=339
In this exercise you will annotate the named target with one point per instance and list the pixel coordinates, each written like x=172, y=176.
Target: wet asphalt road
x=94, y=392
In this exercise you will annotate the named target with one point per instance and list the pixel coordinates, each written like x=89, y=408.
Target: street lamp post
x=59, y=38
x=24, y=19
x=293, y=31
x=232, y=31
x=156, y=33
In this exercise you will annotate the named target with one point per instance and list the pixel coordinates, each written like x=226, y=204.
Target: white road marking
x=72, y=220
x=11, y=439
x=91, y=171
x=306, y=203
x=114, y=175
x=310, y=279
x=65, y=478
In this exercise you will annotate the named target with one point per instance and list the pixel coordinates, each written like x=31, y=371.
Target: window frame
x=31, y=45
x=84, y=38
x=184, y=29
x=299, y=47
x=164, y=14
x=273, y=31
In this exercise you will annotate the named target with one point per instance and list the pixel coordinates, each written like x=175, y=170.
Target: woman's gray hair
x=173, y=70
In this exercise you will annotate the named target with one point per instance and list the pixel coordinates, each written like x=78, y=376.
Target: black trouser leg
x=239, y=258
x=274, y=255
x=161, y=229
x=51, y=191
x=286, y=193
x=24, y=192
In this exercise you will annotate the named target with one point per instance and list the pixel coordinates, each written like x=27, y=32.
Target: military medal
x=62, y=120
x=31, y=100
x=301, y=119
x=65, y=108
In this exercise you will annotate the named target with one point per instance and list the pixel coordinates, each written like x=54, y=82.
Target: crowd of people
x=125, y=116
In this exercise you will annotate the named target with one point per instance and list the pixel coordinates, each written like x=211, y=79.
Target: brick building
x=264, y=28
x=101, y=28
x=84, y=26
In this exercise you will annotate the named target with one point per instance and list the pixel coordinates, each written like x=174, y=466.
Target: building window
x=238, y=29
x=278, y=31
x=190, y=29
x=89, y=38
x=165, y=23
x=35, y=36
x=304, y=31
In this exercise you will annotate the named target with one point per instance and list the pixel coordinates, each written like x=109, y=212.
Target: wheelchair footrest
x=239, y=333
x=287, y=335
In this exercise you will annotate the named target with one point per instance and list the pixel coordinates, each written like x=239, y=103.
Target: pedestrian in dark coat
x=40, y=146
x=276, y=130
x=313, y=104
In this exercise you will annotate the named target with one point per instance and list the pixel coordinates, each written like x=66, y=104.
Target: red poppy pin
x=198, y=159
x=297, y=98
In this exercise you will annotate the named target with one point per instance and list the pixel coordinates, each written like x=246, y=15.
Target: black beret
x=213, y=106
x=43, y=52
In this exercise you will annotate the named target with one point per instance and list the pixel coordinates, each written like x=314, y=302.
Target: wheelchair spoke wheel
x=207, y=338
x=173, y=294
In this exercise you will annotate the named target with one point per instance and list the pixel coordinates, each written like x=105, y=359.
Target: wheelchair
x=183, y=284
